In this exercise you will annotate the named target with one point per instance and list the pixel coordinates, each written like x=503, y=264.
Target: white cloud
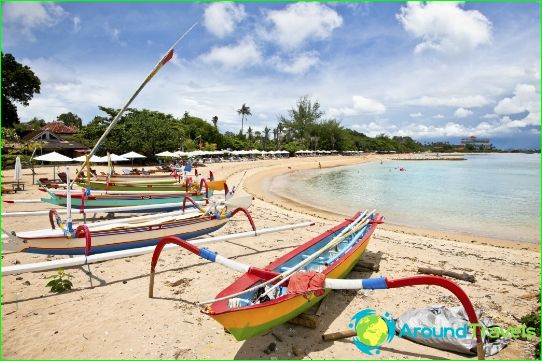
x=360, y=106
x=462, y=113
x=298, y=65
x=114, y=34
x=525, y=99
x=76, y=24
x=26, y=17
x=438, y=116
x=415, y=115
x=220, y=19
x=490, y=116
x=245, y=53
x=300, y=22
x=445, y=26
x=65, y=87
x=372, y=129
x=471, y=101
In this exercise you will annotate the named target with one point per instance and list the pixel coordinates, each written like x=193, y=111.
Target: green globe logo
x=372, y=330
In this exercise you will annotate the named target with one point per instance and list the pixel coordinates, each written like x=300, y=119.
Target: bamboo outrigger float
x=263, y=298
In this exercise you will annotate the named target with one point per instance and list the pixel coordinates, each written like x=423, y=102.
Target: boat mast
x=167, y=57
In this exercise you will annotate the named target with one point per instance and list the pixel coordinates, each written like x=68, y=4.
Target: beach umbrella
x=179, y=154
x=132, y=156
x=117, y=158
x=166, y=154
x=54, y=157
x=18, y=171
x=93, y=159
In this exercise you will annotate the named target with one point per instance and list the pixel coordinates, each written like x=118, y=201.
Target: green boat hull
x=125, y=201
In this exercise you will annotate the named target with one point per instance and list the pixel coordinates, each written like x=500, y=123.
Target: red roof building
x=60, y=128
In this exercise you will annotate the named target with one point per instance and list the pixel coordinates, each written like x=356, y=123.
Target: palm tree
x=215, y=120
x=266, y=131
x=280, y=128
x=276, y=137
x=244, y=111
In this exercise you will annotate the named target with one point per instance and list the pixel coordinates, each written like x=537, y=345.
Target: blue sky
x=435, y=71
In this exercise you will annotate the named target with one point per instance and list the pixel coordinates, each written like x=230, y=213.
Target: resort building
x=53, y=137
x=475, y=142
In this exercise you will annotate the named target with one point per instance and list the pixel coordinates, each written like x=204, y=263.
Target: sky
x=432, y=71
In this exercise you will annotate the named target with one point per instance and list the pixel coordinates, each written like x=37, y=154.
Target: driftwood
x=366, y=266
x=530, y=295
x=304, y=319
x=339, y=335
x=459, y=276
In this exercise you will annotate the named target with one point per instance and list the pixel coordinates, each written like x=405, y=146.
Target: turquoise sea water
x=495, y=195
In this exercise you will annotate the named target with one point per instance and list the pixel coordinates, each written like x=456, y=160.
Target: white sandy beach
x=108, y=314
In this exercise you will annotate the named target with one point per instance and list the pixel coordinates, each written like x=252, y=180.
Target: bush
x=8, y=160
x=532, y=320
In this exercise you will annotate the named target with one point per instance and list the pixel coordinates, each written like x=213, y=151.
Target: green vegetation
x=60, y=282
x=533, y=320
x=70, y=119
x=19, y=84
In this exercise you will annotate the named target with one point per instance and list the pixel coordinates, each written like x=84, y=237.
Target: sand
x=108, y=314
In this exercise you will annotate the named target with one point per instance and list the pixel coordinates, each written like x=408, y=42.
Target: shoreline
x=259, y=186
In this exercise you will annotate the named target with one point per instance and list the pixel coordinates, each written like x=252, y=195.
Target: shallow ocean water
x=493, y=195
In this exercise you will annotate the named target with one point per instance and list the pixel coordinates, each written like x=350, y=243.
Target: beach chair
x=63, y=177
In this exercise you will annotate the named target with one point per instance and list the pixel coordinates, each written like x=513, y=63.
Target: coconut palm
x=215, y=120
x=266, y=131
x=244, y=111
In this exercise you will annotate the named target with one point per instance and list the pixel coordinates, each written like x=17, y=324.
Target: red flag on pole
x=168, y=57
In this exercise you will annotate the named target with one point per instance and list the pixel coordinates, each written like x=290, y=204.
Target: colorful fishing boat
x=146, y=186
x=263, y=298
x=83, y=201
x=119, y=234
x=251, y=315
x=174, y=177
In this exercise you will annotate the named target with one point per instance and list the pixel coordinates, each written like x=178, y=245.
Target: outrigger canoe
x=247, y=315
x=119, y=234
x=263, y=298
x=146, y=186
x=95, y=200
